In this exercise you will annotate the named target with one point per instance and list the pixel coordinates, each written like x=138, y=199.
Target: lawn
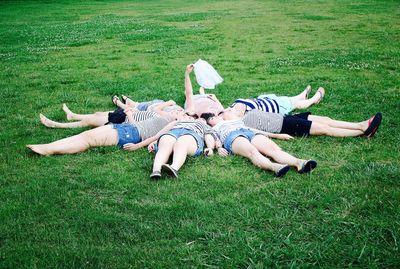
x=99, y=209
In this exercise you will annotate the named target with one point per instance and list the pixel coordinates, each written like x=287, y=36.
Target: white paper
x=206, y=75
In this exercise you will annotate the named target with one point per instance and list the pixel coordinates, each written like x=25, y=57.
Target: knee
x=252, y=153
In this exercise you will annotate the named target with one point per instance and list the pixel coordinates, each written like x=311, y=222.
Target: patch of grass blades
x=98, y=209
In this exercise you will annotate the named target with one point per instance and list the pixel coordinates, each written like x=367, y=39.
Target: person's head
x=239, y=108
x=207, y=115
x=213, y=120
x=176, y=114
x=230, y=114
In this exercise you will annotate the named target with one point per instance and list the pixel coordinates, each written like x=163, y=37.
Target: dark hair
x=206, y=116
x=192, y=115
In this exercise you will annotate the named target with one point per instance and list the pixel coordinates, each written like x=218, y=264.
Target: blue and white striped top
x=261, y=103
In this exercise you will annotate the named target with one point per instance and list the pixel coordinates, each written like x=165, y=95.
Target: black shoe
x=373, y=125
x=155, y=175
x=169, y=170
x=281, y=172
x=308, y=166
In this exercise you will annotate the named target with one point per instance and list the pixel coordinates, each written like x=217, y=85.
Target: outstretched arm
x=189, y=89
x=280, y=136
x=144, y=143
x=159, y=109
x=272, y=135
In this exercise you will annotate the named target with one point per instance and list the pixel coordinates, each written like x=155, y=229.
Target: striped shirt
x=261, y=103
x=151, y=127
x=224, y=128
x=142, y=115
x=196, y=126
x=264, y=121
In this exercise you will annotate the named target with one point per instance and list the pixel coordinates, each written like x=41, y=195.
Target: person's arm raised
x=189, y=89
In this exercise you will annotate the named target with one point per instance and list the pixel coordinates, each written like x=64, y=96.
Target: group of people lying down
x=202, y=126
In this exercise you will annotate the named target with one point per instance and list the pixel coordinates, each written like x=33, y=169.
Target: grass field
x=99, y=209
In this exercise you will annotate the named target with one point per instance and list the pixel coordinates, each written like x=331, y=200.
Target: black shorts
x=118, y=116
x=297, y=124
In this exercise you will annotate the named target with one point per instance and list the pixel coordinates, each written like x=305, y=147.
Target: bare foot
x=70, y=115
x=37, y=149
x=46, y=122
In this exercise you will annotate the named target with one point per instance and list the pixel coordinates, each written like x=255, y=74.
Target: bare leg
x=201, y=90
x=303, y=95
x=129, y=102
x=271, y=149
x=165, y=147
x=119, y=104
x=300, y=104
x=318, y=128
x=98, y=137
x=241, y=146
x=184, y=146
x=74, y=116
x=339, y=124
x=93, y=120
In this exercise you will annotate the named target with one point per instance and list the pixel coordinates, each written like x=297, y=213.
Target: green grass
x=98, y=209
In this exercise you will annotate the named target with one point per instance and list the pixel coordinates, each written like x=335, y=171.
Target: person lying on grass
x=303, y=124
x=186, y=138
x=209, y=103
x=129, y=136
x=200, y=103
x=252, y=144
x=153, y=105
x=279, y=104
x=127, y=113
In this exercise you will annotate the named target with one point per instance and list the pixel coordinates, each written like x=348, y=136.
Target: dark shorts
x=117, y=116
x=297, y=124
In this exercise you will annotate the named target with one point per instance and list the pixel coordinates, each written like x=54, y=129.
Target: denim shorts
x=127, y=133
x=144, y=106
x=284, y=103
x=246, y=133
x=181, y=132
